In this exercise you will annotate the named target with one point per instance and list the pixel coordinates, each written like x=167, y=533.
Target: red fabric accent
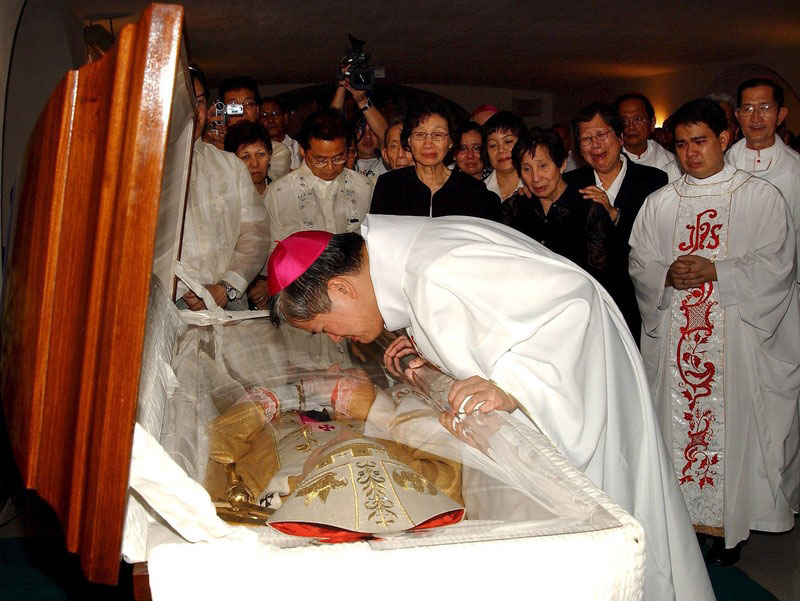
x=293, y=256
x=444, y=519
x=331, y=534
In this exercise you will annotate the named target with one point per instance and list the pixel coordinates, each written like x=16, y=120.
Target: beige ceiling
x=548, y=46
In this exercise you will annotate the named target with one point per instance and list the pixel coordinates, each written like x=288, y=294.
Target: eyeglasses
x=334, y=162
x=763, y=109
x=637, y=120
x=465, y=148
x=586, y=141
x=266, y=114
x=436, y=136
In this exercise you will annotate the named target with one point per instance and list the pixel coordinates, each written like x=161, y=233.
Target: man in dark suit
x=620, y=186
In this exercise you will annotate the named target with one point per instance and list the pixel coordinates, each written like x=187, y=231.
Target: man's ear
x=782, y=114
x=341, y=287
x=302, y=152
x=724, y=139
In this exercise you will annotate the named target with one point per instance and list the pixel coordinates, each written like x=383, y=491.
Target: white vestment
x=659, y=157
x=294, y=147
x=723, y=360
x=479, y=298
x=780, y=166
x=225, y=232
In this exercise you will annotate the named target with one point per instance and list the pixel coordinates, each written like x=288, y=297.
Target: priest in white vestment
x=713, y=263
x=510, y=320
x=762, y=152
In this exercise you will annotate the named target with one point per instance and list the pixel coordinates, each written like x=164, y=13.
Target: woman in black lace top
x=557, y=215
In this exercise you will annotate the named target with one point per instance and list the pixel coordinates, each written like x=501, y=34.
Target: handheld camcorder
x=222, y=112
x=359, y=73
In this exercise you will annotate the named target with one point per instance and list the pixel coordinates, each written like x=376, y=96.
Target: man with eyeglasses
x=321, y=194
x=639, y=120
x=618, y=184
x=243, y=91
x=273, y=116
x=760, y=151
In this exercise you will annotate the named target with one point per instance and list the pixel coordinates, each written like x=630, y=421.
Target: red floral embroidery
x=700, y=232
x=697, y=381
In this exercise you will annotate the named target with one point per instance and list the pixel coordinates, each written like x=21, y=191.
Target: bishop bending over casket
x=520, y=326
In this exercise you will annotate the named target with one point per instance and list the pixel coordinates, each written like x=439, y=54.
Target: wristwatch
x=367, y=105
x=230, y=290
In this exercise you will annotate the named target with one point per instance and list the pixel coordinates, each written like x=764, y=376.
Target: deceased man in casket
x=300, y=450
x=524, y=331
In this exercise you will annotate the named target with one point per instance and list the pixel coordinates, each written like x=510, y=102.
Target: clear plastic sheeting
x=258, y=414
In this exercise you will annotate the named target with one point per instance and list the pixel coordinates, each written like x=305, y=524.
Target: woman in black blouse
x=557, y=215
x=429, y=188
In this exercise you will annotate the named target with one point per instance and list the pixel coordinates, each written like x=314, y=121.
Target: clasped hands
x=195, y=303
x=690, y=271
x=484, y=395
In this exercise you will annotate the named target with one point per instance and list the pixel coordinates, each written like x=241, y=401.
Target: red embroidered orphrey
x=697, y=381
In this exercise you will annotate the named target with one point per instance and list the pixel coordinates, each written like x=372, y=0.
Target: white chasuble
x=723, y=361
x=697, y=334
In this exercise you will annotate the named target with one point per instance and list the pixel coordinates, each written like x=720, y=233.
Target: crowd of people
x=691, y=229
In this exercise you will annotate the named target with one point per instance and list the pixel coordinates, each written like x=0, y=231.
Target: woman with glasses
x=468, y=151
x=500, y=132
x=557, y=215
x=429, y=188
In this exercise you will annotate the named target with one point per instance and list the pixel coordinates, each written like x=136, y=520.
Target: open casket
x=142, y=425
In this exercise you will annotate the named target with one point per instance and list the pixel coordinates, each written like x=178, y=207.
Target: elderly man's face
x=245, y=98
x=394, y=155
x=274, y=119
x=600, y=146
x=759, y=116
x=637, y=124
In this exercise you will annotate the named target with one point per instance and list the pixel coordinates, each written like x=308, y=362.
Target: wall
x=670, y=90
x=48, y=43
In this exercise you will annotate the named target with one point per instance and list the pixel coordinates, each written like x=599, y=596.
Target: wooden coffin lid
x=75, y=299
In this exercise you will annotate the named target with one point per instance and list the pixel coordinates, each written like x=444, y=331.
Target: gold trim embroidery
x=320, y=488
x=309, y=438
x=369, y=476
x=413, y=481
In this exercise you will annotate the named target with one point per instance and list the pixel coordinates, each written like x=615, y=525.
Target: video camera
x=221, y=114
x=360, y=74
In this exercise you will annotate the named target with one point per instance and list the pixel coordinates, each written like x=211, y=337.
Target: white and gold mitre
x=360, y=490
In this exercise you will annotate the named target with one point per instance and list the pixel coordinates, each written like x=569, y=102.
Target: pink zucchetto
x=293, y=256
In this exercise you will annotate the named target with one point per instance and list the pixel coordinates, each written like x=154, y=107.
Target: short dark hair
x=240, y=82
x=275, y=100
x=324, y=124
x=700, y=110
x=307, y=296
x=196, y=72
x=246, y=132
x=777, y=91
x=504, y=121
x=539, y=137
x=421, y=112
x=648, y=106
x=588, y=112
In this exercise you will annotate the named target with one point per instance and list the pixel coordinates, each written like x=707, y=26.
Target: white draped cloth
x=659, y=157
x=479, y=298
x=723, y=360
x=225, y=232
x=780, y=166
